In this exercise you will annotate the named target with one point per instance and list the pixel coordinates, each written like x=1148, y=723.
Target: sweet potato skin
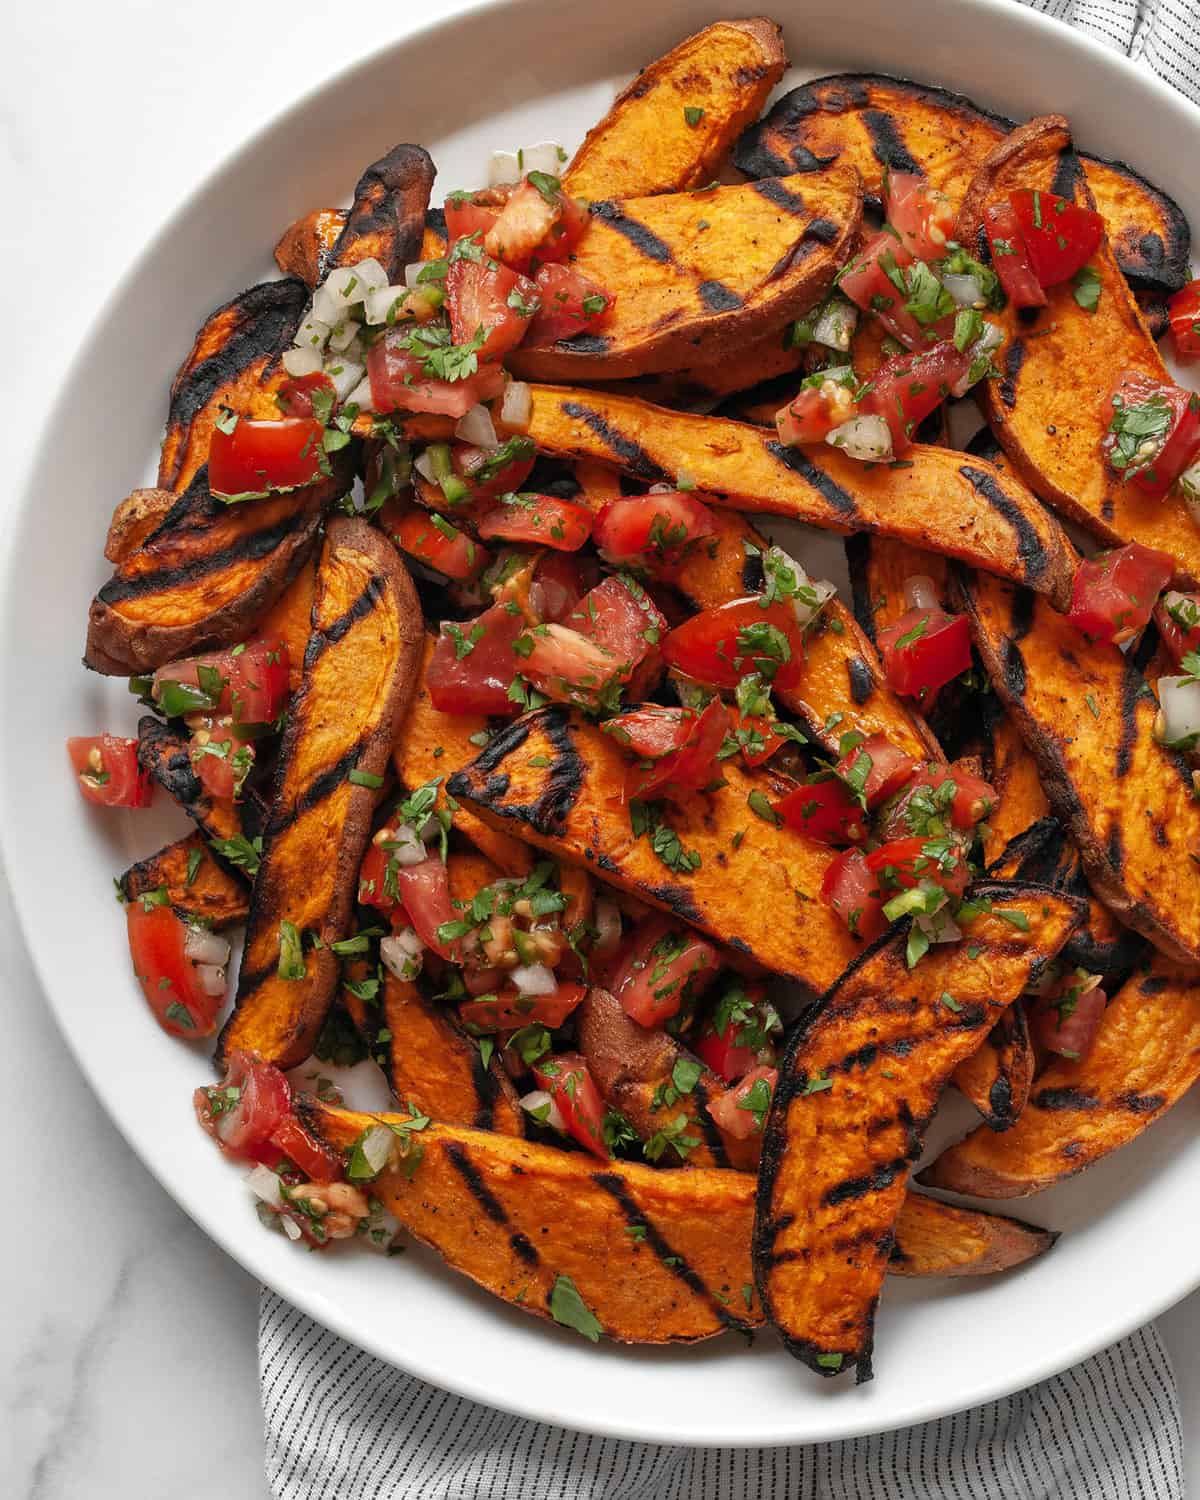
x=559, y=779
x=684, y=294
x=305, y=247
x=1125, y=802
x=944, y=501
x=212, y=895
x=836, y=1160
x=1059, y=366
x=386, y=221
x=133, y=519
x=1145, y=1057
x=873, y=121
x=359, y=672
x=645, y=145
x=939, y=1239
x=997, y=1079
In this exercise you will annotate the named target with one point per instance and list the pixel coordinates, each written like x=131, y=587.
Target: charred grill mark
x=717, y=297
x=640, y=236
x=459, y=1158
x=882, y=1177
x=1068, y=174
x=862, y=680
x=1115, y=849
x=1022, y=614
x=631, y=454
x=1029, y=544
x=1000, y=1098
x=830, y=491
x=585, y=343
x=1012, y=667
x=887, y=142
x=712, y=1136
x=1066, y=1098
x=678, y=900
x=564, y=781
x=1133, y=688
x=815, y=235
x=1014, y=358
x=613, y=1184
x=372, y=593
x=523, y=1250
x=495, y=753
x=858, y=560
x=496, y=787
x=824, y=231
x=317, y=790
x=754, y=575
x=485, y=1092
x=435, y=219
x=783, y=198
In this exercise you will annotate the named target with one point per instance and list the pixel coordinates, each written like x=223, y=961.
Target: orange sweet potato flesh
x=939, y=1239
x=942, y=501
x=198, y=887
x=836, y=1160
x=1018, y=783
x=879, y=568
x=1060, y=364
x=1087, y=714
x=289, y=619
x=872, y=121
x=645, y=143
x=133, y=519
x=685, y=294
x=1146, y=1056
x=997, y=1079
x=305, y=246
x=359, y=672
x=558, y=780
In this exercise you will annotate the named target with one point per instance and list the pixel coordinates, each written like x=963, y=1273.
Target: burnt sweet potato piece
x=942, y=501
x=227, y=361
x=198, y=886
x=1087, y=715
x=875, y=122
x=164, y=753
x=836, y=1159
x=997, y=1079
x=685, y=294
x=359, y=672
x=387, y=218
x=558, y=780
x=304, y=249
x=135, y=517
x=651, y=140
x=1146, y=1055
x=1059, y=365
x=939, y=1239
x=205, y=576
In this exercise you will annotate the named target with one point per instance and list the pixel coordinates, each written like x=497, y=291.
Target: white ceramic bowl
x=495, y=77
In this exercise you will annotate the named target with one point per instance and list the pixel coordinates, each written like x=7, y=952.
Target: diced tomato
x=665, y=968
x=1154, y=432
x=820, y=405
x=885, y=767
x=652, y=532
x=825, y=810
x=571, y=303
x=433, y=540
x=486, y=295
x=621, y=615
x=1183, y=313
x=869, y=284
x=262, y=458
x=562, y=580
x=852, y=889
x=970, y=802
x=295, y=395
x=922, y=216
x=544, y=520
x=741, y=1111
x=106, y=768
x=538, y=221
x=566, y=1078
x=1010, y=258
x=676, y=748
x=400, y=382
x=1060, y=237
x=168, y=978
x=907, y=387
x=924, y=650
x=425, y=895
x=756, y=737
x=509, y=1010
x=249, y=683
x=1066, y=1020
x=570, y=667
x=719, y=646
x=219, y=760
x=315, y=1160
x=248, y=1108
x=905, y=863
x=1114, y=593
x=473, y=663
x=1178, y=619
x=492, y=472
x=736, y=1036
x=372, y=876
x=465, y=217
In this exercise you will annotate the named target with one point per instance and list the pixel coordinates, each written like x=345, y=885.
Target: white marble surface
x=128, y=1363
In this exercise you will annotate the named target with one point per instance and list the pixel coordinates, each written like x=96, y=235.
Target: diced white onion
x=920, y=593
x=476, y=427
x=342, y=288
x=380, y=302
x=402, y=954
x=298, y=362
x=313, y=333
x=964, y=288
x=517, y=406
x=867, y=438
x=343, y=335
x=542, y=1107
x=1189, y=484
x=408, y=850
x=661, y=489
x=835, y=327
x=290, y=1227
x=412, y=273
x=991, y=338
x=606, y=917
x=1179, y=710
x=534, y=979
x=376, y=1147
x=344, y=373
x=381, y=1231
x=812, y=594
x=424, y=466
x=507, y=167
x=264, y=1184
x=212, y=978
x=503, y=168
x=361, y=396
x=205, y=947
x=938, y=928
x=371, y=273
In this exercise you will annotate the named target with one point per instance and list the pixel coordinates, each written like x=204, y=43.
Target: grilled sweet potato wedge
x=938, y=1239
x=289, y=619
x=1087, y=714
x=359, y=672
x=1014, y=775
x=1146, y=1056
x=836, y=1159
x=164, y=753
x=304, y=249
x=387, y=218
x=943, y=501
x=135, y=517
x=647, y=142
x=685, y=294
x=205, y=576
x=198, y=886
x=997, y=1079
x=228, y=358
x=872, y=121
x=633, y=1066
x=1060, y=364
x=879, y=566
x=558, y=780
